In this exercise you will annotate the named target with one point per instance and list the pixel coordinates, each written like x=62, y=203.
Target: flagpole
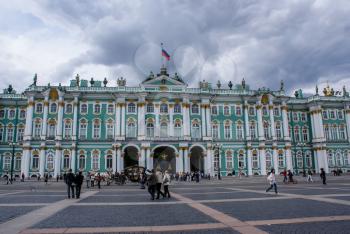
x=161, y=54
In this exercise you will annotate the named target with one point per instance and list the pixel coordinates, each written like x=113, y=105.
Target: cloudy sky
x=301, y=42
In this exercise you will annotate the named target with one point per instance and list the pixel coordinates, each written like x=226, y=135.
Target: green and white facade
x=163, y=123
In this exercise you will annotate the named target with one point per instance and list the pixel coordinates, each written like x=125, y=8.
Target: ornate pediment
x=163, y=79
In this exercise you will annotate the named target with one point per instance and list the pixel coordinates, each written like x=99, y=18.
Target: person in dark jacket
x=323, y=176
x=152, y=181
x=79, y=179
x=70, y=180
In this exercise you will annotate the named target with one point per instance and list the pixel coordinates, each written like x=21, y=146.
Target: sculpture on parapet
x=203, y=84
x=35, y=79
x=230, y=85
x=243, y=83
x=218, y=84
x=282, y=86
x=105, y=81
x=121, y=82
x=77, y=79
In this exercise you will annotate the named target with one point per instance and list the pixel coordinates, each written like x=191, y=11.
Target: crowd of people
x=154, y=180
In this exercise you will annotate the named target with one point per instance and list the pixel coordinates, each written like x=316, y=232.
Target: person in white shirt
x=166, y=183
x=272, y=180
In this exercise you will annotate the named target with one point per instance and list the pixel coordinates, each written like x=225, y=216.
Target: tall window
x=67, y=129
x=20, y=133
x=305, y=134
x=39, y=108
x=340, y=114
x=83, y=129
x=295, y=116
x=37, y=129
x=110, y=129
x=214, y=110
x=332, y=114
x=52, y=130
x=69, y=108
x=163, y=108
x=83, y=108
x=10, y=134
x=97, y=108
x=18, y=163
x=326, y=131
x=66, y=161
x=342, y=134
x=330, y=159
x=177, y=108
x=150, y=129
x=255, y=159
x=150, y=108
x=278, y=130
x=299, y=160
x=131, y=129
x=251, y=111
x=308, y=159
x=296, y=133
x=238, y=110
x=239, y=131
x=35, y=162
x=266, y=130
x=12, y=114
x=252, y=130
x=268, y=159
x=264, y=111
x=276, y=111
x=163, y=129
x=334, y=132
x=280, y=159
x=1, y=133
x=96, y=129
x=22, y=114
x=81, y=161
x=109, y=162
x=53, y=108
x=338, y=159
x=49, y=162
x=95, y=160
x=303, y=117
x=7, y=163
x=195, y=109
x=195, y=130
x=216, y=159
x=2, y=113
x=215, y=130
x=241, y=161
x=227, y=130
x=226, y=110
x=110, y=109
x=229, y=160
x=177, y=128
x=325, y=114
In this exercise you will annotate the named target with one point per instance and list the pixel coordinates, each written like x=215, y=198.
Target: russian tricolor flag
x=165, y=54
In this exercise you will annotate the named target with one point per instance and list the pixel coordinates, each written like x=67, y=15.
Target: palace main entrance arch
x=164, y=158
x=197, y=159
x=131, y=156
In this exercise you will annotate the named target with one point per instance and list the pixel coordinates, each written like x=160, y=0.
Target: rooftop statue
x=327, y=91
x=77, y=78
x=218, y=84
x=243, y=83
x=121, y=82
x=230, y=85
x=203, y=84
x=35, y=79
x=282, y=86
x=105, y=82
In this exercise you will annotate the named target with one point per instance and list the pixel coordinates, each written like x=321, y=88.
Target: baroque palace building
x=164, y=124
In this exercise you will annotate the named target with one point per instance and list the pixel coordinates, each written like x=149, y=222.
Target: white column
x=186, y=120
x=347, y=118
x=46, y=111
x=117, y=121
x=177, y=158
x=262, y=161
x=57, y=170
x=260, y=122
x=42, y=160
x=25, y=161
x=114, y=160
x=285, y=122
x=275, y=160
x=157, y=128
x=75, y=118
x=208, y=120
x=171, y=120
x=210, y=161
x=119, y=160
x=187, y=160
x=246, y=121
x=60, y=118
x=142, y=157
x=272, y=122
x=29, y=119
x=204, y=125
x=180, y=161
x=141, y=120
x=149, y=159
x=289, y=160
x=123, y=125
x=74, y=159
x=249, y=161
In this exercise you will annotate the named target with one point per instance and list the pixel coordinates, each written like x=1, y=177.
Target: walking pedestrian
x=309, y=176
x=79, y=179
x=98, y=179
x=152, y=181
x=166, y=183
x=323, y=176
x=70, y=181
x=23, y=177
x=88, y=179
x=285, y=179
x=8, y=180
x=272, y=179
x=46, y=176
x=159, y=178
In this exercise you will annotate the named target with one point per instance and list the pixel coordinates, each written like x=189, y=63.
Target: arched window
x=177, y=128
x=67, y=129
x=131, y=129
x=52, y=129
x=340, y=114
x=109, y=162
x=83, y=109
x=66, y=160
x=39, y=108
x=37, y=128
x=299, y=160
x=97, y=108
x=255, y=159
x=35, y=162
x=163, y=129
x=69, y=108
x=280, y=159
x=150, y=129
x=110, y=109
x=227, y=130
x=163, y=108
x=278, y=130
x=20, y=133
x=266, y=130
x=241, y=161
x=177, y=108
x=7, y=163
x=268, y=160
x=342, y=134
x=96, y=129
x=305, y=134
x=334, y=132
x=195, y=129
x=346, y=158
x=252, y=130
x=308, y=159
x=330, y=159
x=110, y=129
x=49, y=162
x=264, y=111
x=10, y=133
x=229, y=160
x=195, y=109
x=214, y=110
x=296, y=133
x=276, y=111
x=22, y=114
x=150, y=108
x=82, y=161
x=18, y=162
x=215, y=130
x=238, y=110
x=12, y=114
x=226, y=110
x=83, y=129
x=53, y=108
x=1, y=133
x=338, y=159
x=295, y=116
x=239, y=131
x=95, y=160
x=251, y=111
